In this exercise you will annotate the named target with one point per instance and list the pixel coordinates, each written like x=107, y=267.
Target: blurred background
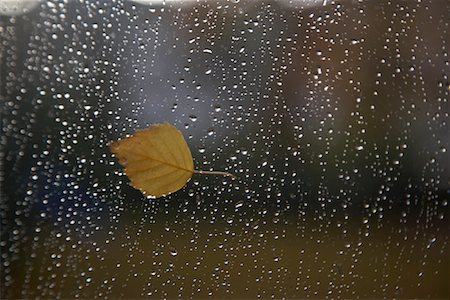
x=332, y=114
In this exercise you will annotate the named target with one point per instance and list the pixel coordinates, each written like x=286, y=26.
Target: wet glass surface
x=333, y=115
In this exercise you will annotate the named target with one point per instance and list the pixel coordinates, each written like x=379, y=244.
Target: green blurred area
x=172, y=258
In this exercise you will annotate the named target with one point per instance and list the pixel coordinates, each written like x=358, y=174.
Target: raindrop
x=173, y=251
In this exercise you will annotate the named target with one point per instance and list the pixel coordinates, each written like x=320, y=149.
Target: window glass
x=333, y=116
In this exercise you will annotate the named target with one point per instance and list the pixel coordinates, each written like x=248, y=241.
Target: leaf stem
x=215, y=173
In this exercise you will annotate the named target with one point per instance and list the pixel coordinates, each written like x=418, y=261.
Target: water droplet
x=173, y=251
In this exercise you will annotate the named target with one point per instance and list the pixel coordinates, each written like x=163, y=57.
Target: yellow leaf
x=157, y=160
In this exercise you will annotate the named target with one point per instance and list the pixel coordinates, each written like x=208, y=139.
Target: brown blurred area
x=287, y=259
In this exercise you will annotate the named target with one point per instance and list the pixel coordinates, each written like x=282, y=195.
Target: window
x=333, y=115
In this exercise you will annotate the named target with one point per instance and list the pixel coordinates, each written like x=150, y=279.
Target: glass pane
x=333, y=115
